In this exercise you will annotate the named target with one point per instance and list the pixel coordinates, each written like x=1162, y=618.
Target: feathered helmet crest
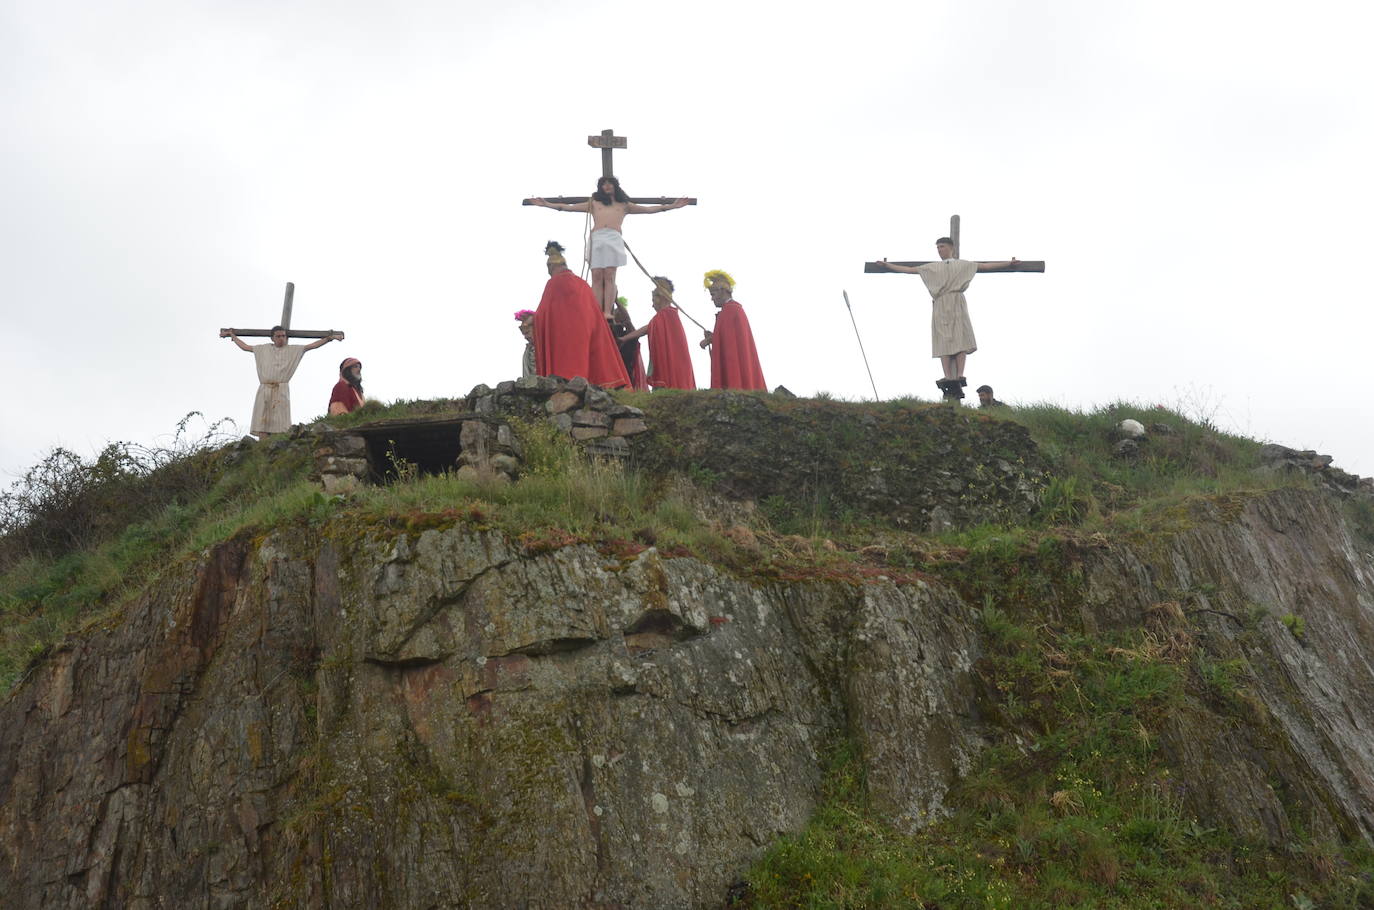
x=554, y=250
x=718, y=274
x=522, y=315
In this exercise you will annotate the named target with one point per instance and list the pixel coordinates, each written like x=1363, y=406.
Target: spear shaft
x=861, y=345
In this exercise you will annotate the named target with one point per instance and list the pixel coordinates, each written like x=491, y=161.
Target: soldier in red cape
x=571, y=337
x=734, y=359
x=670, y=360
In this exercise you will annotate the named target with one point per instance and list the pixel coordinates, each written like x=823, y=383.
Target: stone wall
x=488, y=445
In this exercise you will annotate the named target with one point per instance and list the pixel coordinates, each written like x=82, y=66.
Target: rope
x=667, y=293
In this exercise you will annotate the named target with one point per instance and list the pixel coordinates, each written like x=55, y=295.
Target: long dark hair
x=619, y=195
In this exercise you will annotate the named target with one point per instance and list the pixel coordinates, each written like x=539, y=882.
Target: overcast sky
x=1197, y=176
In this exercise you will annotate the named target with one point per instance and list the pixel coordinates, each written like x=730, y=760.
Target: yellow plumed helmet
x=554, y=250
x=723, y=275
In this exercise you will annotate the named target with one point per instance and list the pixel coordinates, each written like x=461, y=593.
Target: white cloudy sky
x=1197, y=176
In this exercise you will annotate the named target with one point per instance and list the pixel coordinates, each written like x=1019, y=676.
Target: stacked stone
x=489, y=448
x=341, y=462
x=1307, y=461
x=590, y=416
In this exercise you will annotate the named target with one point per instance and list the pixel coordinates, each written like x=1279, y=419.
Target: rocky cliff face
x=442, y=719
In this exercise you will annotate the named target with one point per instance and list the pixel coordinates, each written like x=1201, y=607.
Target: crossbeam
x=1024, y=266
x=640, y=200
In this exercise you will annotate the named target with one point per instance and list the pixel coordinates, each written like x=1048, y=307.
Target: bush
x=64, y=503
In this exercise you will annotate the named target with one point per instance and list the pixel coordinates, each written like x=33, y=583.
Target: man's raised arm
x=561, y=206
x=636, y=209
x=230, y=333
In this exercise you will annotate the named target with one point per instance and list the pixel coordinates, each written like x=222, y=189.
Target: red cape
x=346, y=395
x=571, y=337
x=734, y=359
x=669, y=356
x=638, y=381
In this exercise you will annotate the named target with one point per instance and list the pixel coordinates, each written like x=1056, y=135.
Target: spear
x=861, y=344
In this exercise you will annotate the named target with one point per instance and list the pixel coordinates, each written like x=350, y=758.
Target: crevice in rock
x=657, y=628
x=439, y=604
x=547, y=646
x=406, y=663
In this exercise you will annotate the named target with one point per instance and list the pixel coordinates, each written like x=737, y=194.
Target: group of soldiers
x=570, y=335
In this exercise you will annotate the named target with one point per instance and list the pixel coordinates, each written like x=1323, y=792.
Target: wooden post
x=286, y=306
x=954, y=233
x=607, y=141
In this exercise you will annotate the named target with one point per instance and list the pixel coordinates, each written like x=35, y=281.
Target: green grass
x=44, y=599
x=1079, y=809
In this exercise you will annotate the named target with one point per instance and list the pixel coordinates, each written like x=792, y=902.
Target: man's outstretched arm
x=909, y=269
x=561, y=206
x=636, y=209
x=323, y=341
x=997, y=266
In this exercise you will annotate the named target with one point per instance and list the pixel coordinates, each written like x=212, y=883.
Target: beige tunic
x=272, y=406
x=950, y=330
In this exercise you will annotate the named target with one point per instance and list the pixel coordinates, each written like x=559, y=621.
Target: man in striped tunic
x=276, y=364
x=951, y=332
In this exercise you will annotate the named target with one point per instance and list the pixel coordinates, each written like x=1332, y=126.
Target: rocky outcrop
x=924, y=468
x=446, y=719
x=1276, y=588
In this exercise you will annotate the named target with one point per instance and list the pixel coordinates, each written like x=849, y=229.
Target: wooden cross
x=285, y=323
x=1023, y=266
x=607, y=142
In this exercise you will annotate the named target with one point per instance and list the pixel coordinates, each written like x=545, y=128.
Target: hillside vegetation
x=1077, y=804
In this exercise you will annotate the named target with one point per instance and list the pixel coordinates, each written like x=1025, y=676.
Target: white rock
x=1132, y=428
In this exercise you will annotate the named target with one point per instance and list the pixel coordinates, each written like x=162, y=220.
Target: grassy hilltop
x=1076, y=804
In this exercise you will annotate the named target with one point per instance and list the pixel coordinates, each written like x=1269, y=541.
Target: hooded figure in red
x=571, y=337
x=734, y=359
x=347, y=395
x=670, y=360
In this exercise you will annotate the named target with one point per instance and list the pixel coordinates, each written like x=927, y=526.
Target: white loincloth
x=608, y=249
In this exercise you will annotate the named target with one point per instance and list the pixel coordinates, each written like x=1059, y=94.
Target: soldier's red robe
x=670, y=360
x=734, y=359
x=571, y=337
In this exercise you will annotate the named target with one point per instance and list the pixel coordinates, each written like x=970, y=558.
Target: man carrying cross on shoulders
x=276, y=364
x=951, y=332
x=608, y=207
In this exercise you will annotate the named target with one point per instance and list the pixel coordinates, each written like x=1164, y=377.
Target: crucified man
x=951, y=332
x=608, y=207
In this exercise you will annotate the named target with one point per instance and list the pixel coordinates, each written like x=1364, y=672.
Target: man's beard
x=355, y=381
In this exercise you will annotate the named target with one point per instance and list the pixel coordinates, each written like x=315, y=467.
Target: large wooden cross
x=285, y=323
x=608, y=141
x=1022, y=266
